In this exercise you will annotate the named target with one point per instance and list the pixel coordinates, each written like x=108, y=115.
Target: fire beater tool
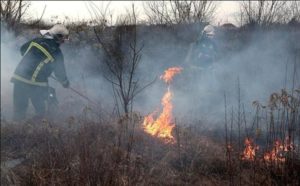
x=78, y=93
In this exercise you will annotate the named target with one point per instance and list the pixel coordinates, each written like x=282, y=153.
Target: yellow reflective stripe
x=35, y=73
x=38, y=68
x=41, y=48
x=30, y=46
x=17, y=77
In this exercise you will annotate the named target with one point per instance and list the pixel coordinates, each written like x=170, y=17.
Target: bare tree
x=292, y=11
x=123, y=56
x=13, y=11
x=174, y=12
x=100, y=14
x=157, y=12
x=261, y=12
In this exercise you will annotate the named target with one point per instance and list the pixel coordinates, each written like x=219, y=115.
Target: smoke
x=262, y=63
x=10, y=56
x=80, y=61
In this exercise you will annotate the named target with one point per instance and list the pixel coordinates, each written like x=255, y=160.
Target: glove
x=66, y=84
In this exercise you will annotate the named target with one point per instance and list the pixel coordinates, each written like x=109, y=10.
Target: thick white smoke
x=263, y=64
x=77, y=59
x=10, y=56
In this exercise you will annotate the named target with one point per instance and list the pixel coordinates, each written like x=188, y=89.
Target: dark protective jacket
x=205, y=51
x=207, y=47
x=41, y=57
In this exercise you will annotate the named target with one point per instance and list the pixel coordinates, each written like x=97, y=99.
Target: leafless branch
x=99, y=15
x=39, y=20
x=123, y=56
x=262, y=12
x=174, y=12
x=12, y=12
x=292, y=11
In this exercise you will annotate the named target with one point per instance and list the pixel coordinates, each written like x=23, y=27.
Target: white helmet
x=209, y=30
x=56, y=30
x=59, y=29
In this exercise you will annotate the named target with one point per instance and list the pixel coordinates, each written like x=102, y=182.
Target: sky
x=77, y=10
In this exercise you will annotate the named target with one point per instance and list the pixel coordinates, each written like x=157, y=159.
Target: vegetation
x=118, y=152
x=115, y=150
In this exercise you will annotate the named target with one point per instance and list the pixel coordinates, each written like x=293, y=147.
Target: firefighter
x=206, y=47
x=41, y=57
x=202, y=53
x=200, y=78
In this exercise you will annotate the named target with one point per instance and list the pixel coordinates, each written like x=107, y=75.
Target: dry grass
x=112, y=153
x=118, y=152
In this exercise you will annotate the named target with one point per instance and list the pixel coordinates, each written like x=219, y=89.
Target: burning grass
x=114, y=153
x=163, y=126
x=120, y=152
x=271, y=144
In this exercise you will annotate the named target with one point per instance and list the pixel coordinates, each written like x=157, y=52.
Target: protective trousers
x=24, y=92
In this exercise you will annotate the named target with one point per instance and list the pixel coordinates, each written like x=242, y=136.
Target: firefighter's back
x=37, y=62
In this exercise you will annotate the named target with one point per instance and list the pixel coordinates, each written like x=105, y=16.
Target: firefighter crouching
x=41, y=57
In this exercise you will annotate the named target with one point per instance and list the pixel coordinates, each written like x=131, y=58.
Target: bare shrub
x=292, y=11
x=262, y=13
x=123, y=57
x=12, y=12
x=175, y=12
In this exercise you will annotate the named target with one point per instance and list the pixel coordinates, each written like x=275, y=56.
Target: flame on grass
x=163, y=126
x=250, y=150
x=277, y=154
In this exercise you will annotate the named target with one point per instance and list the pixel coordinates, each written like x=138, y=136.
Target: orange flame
x=250, y=150
x=170, y=73
x=277, y=154
x=163, y=126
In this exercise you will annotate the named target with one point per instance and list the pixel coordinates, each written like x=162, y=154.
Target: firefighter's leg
x=20, y=100
x=52, y=103
x=38, y=100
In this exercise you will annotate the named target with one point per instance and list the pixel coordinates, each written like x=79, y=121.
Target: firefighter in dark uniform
x=201, y=56
x=199, y=74
x=206, y=47
x=41, y=57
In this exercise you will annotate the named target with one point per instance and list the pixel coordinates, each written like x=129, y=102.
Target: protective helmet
x=58, y=31
x=208, y=30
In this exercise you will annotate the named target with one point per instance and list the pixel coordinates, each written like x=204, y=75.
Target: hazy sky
x=77, y=10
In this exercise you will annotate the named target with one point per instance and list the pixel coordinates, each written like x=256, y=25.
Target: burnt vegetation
x=109, y=147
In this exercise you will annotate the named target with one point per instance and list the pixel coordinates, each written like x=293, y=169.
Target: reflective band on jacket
x=38, y=68
x=41, y=48
x=17, y=77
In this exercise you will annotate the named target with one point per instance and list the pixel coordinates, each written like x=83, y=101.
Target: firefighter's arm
x=60, y=71
x=192, y=48
x=24, y=48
